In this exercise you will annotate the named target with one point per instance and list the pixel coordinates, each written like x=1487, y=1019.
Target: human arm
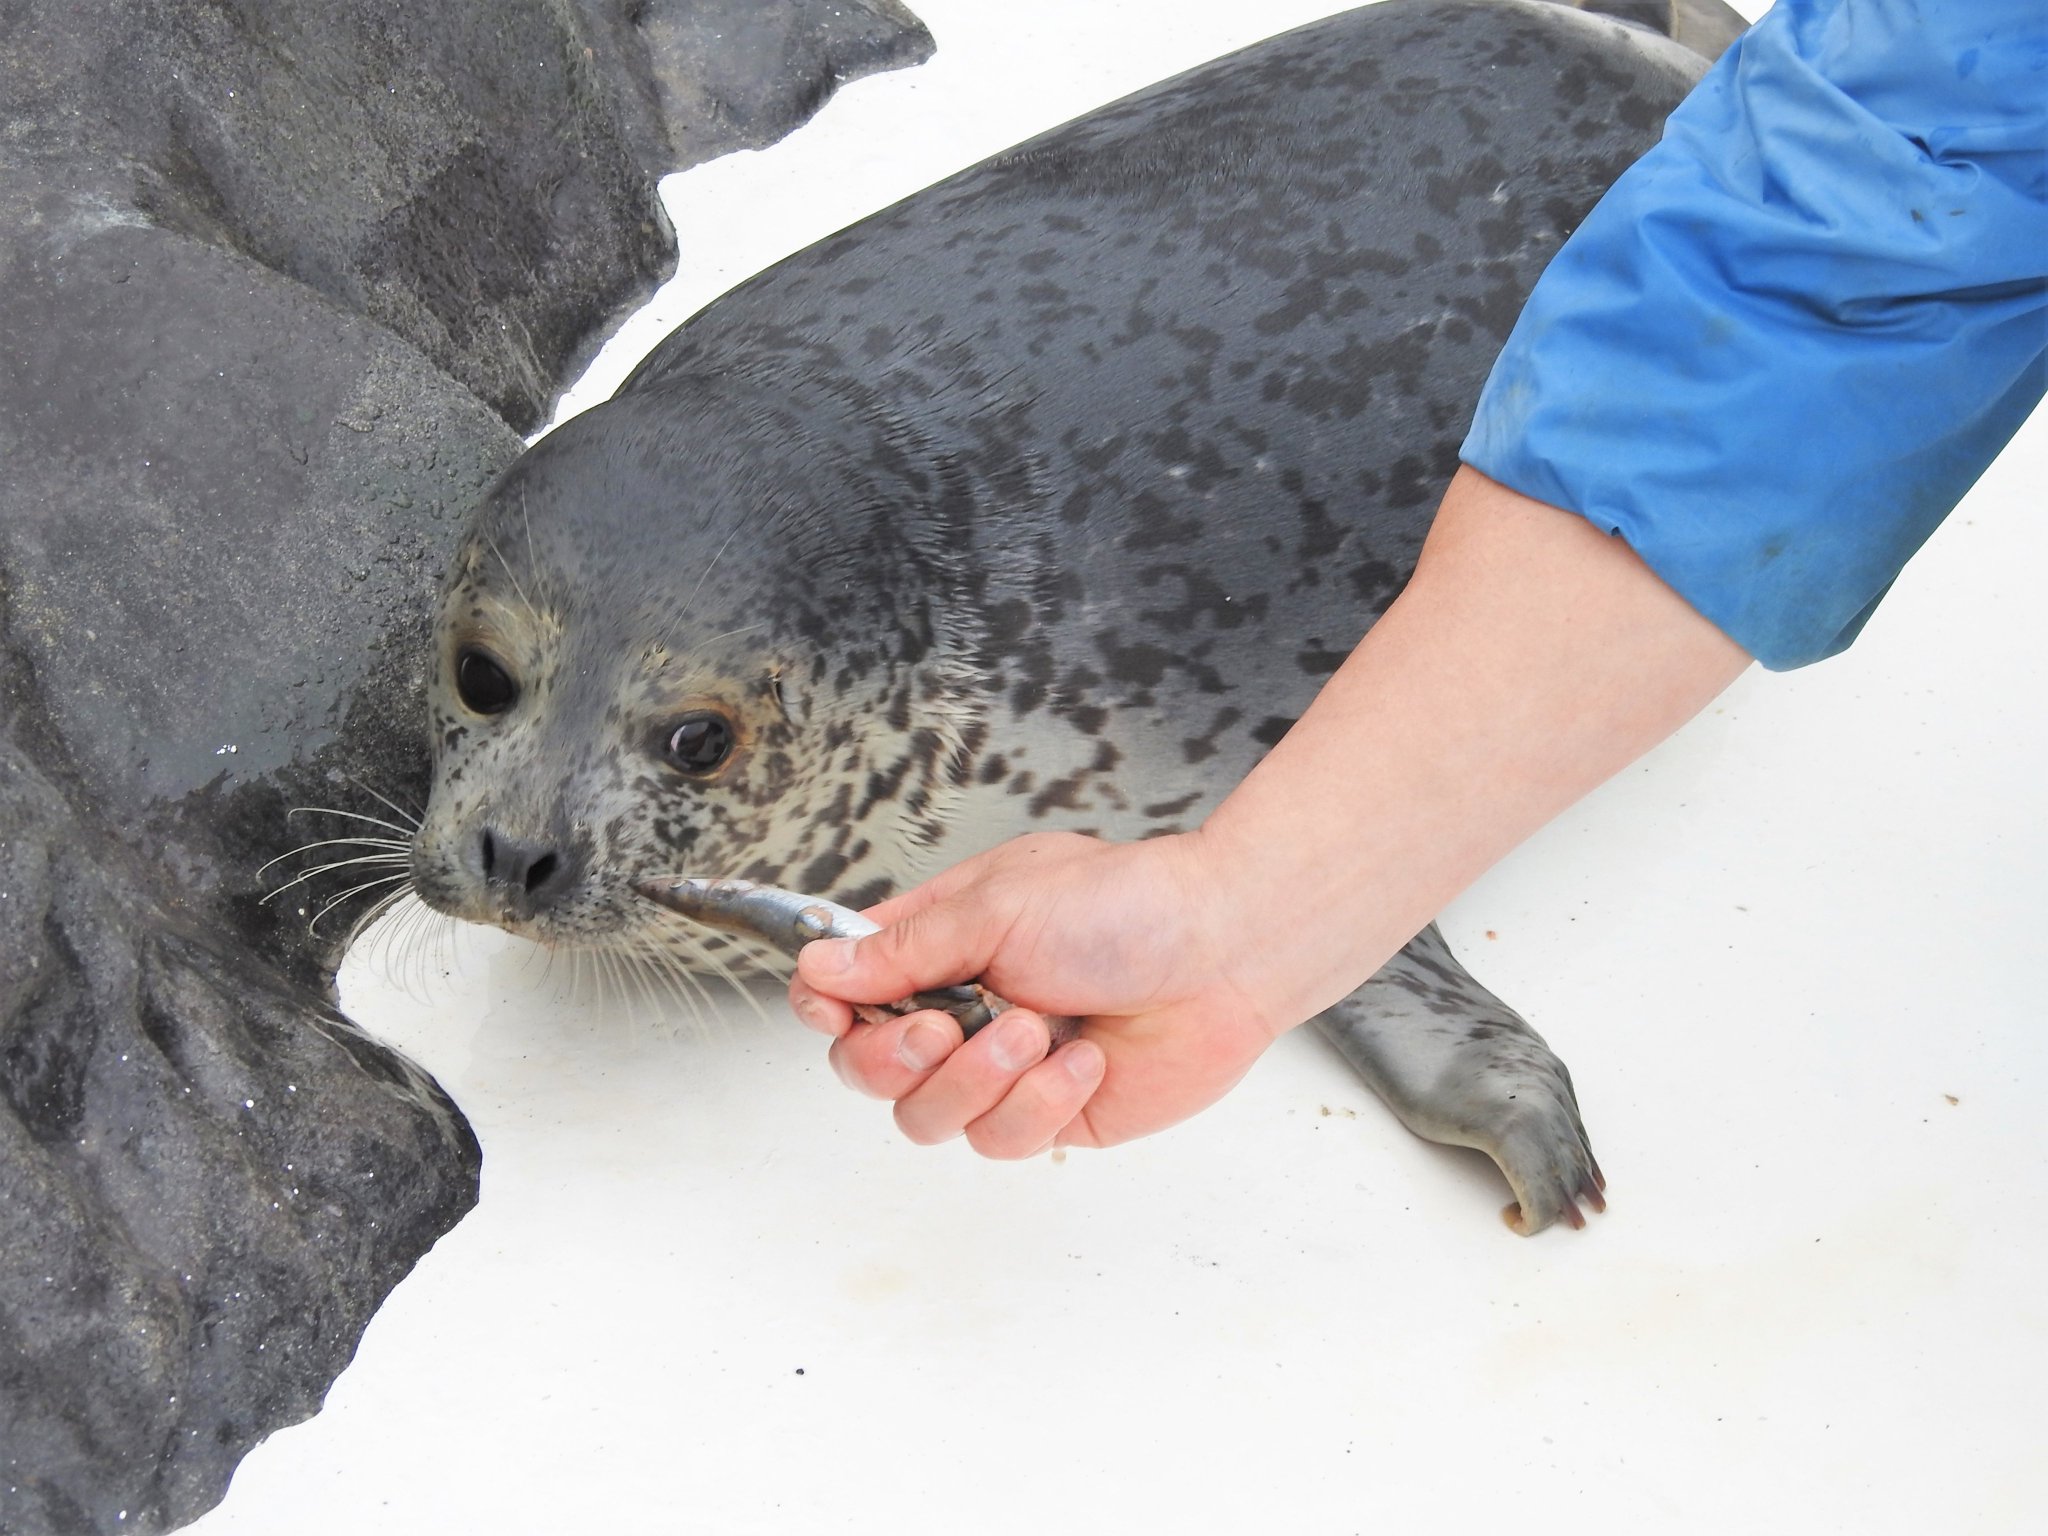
x=1530, y=658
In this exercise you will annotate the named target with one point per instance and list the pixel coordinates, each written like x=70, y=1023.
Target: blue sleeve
x=1793, y=335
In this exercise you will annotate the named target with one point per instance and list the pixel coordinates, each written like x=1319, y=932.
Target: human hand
x=1133, y=939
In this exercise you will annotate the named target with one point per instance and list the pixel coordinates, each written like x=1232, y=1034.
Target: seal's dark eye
x=700, y=743
x=483, y=685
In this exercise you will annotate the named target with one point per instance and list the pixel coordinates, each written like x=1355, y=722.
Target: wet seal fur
x=1046, y=498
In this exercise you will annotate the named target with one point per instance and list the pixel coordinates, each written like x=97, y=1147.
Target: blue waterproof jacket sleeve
x=1793, y=335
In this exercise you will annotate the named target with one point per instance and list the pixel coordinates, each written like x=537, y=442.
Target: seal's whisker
x=360, y=886
x=383, y=904
x=689, y=989
x=423, y=935
x=389, y=902
x=650, y=978
x=401, y=944
x=375, y=821
x=608, y=962
x=728, y=634
x=549, y=955
x=411, y=814
x=390, y=844
x=707, y=1005
x=510, y=574
x=614, y=989
x=746, y=993
x=389, y=849
x=629, y=981
x=382, y=859
x=354, y=890
x=526, y=521
x=643, y=967
x=446, y=951
x=710, y=567
x=686, y=948
x=775, y=967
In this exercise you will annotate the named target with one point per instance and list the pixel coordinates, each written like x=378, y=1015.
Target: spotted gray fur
x=1047, y=498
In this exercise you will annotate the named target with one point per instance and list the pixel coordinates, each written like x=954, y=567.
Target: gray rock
x=210, y=1182
x=225, y=517
x=277, y=282
x=477, y=176
x=736, y=74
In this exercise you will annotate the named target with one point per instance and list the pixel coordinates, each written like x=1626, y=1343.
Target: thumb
x=951, y=939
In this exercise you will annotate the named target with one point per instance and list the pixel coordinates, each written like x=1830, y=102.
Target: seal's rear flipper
x=1460, y=1067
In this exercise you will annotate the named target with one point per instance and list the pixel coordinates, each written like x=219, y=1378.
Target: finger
x=814, y=1010
x=1042, y=1103
x=950, y=940
x=974, y=1078
x=889, y=1060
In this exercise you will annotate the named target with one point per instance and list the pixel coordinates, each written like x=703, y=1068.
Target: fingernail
x=922, y=1046
x=807, y=1011
x=1018, y=1041
x=833, y=955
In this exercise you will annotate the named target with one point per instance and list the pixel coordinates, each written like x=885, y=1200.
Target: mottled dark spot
x=823, y=872
x=1409, y=483
x=1319, y=660
x=1142, y=663
x=1196, y=748
x=1065, y=795
x=1007, y=622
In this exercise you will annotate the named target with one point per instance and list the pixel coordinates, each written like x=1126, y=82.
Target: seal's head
x=696, y=631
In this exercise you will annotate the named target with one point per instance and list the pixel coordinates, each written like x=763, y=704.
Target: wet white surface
x=1792, y=958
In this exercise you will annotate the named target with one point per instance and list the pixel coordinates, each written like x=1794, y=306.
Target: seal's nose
x=529, y=877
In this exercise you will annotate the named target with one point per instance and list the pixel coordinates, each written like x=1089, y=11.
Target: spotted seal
x=1045, y=498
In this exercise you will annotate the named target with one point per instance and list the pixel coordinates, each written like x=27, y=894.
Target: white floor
x=1793, y=959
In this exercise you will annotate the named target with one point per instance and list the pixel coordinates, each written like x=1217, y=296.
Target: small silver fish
x=788, y=920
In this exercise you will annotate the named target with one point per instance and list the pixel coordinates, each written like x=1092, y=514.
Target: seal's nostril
x=529, y=875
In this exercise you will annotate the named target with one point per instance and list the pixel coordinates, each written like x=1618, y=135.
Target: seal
x=1046, y=498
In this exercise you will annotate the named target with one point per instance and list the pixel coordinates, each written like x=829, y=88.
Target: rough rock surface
x=210, y=1182
x=278, y=279
x=737, y=74
x=478, y=177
